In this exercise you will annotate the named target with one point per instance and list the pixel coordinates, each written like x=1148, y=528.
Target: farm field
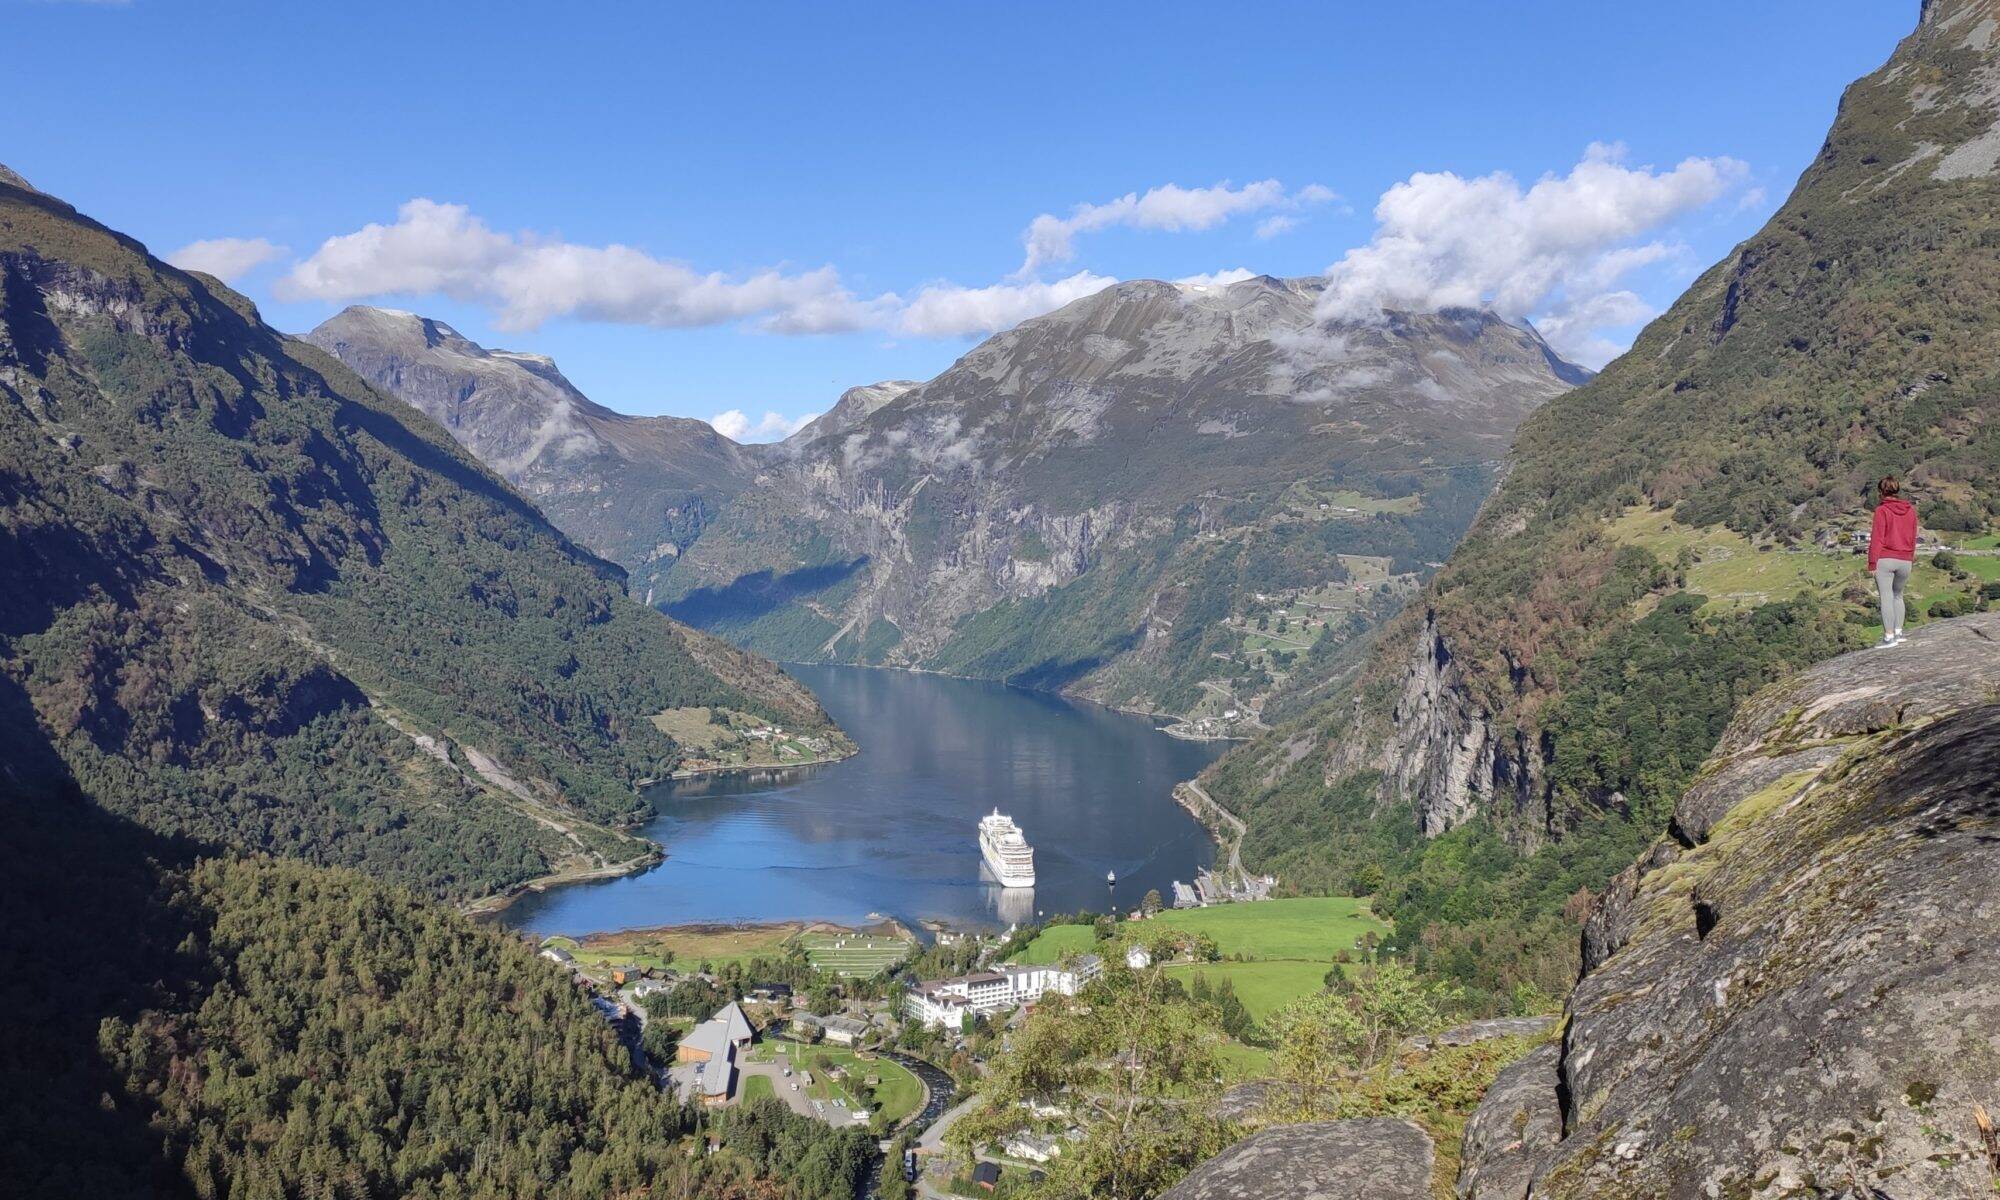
x=857, y=955
x=1314, y=928
x=1287, y=945
x=687, y=947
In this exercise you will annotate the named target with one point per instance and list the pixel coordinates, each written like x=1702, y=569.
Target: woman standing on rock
x=1892, y=550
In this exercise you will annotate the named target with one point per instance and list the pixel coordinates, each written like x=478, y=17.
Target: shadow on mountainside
x=748, y=597
x=88, y=932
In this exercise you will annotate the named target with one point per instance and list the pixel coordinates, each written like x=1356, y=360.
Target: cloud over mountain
x=1169, y=207
x=1555, y=251
x=226, y=258
x=435, y=248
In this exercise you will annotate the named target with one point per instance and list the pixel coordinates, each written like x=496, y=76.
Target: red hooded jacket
x=1895, y=532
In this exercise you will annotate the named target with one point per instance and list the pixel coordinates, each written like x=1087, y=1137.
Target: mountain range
x=1103, y=499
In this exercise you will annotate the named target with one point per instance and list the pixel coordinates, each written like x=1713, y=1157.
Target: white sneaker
x=1888, y=640
x=1899, y=636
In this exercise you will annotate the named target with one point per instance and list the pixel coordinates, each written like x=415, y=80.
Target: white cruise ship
x=1007, y=852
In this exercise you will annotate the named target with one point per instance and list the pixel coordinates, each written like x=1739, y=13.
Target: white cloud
x=443, y=248
x=1169, y=208
x=1271, y=227
x=1217, y=278
x=948, y=310
x=772, y=427
x=228, y=259
x=1557, y=248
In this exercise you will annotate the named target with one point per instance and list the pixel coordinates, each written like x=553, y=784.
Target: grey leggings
x=1892, y=576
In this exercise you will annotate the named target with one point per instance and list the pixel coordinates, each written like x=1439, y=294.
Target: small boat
x=1111, y=877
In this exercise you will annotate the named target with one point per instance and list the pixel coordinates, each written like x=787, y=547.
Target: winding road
x=1203, y=806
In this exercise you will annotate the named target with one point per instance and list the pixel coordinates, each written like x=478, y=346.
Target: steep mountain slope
x=636, y=490
x=1674, y=534
x=1798, y=990
x=252, y=601
x=1107, y=497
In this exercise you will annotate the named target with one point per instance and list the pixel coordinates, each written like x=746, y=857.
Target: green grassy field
x=685, y=948
x=1264, y=987
x=854, y=954
x=1289, y=945
x=897, y=1092
x=1733, y=573
x=1058, y=942
x=758, y=1087
x=1303, y=927
x=1240, y=1062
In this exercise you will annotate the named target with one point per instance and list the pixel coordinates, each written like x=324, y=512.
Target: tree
x=1354, y=1025
x=660, y=1041
x=1136, y=1064
x=1152, y=904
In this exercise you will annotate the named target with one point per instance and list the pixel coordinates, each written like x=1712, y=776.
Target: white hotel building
x=946, y=1002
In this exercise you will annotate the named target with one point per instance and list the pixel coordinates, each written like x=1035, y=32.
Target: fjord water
x=890, y=832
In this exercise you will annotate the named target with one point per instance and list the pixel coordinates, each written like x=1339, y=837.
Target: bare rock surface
x=1804, y=996
x=1517, y=1125
x=1486, y=1031
x=1373, y=1159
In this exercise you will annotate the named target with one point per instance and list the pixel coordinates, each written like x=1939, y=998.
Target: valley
x=1184, y=733
x=1088, y=503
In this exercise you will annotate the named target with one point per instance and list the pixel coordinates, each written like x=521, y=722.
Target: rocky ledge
x=1373, y=1159
x=1797, y=992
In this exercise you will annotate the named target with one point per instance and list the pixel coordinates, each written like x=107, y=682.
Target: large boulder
x=1798, y=992
x=1518, y=1123
x=1374, y=1159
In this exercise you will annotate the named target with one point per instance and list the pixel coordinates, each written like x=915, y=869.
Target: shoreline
x=492, y=905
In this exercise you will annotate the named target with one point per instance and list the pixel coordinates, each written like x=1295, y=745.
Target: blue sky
x=868, y=169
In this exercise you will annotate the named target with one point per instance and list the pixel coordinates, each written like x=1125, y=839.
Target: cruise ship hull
x=1010, y=877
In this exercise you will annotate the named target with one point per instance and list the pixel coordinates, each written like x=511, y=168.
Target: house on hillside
x=986, y=1175
x=1138, y=957
x=559, y=956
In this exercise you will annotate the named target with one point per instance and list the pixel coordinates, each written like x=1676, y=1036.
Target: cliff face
x=1798, y=991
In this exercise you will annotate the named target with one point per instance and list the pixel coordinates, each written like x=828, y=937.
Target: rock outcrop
x=1798, y=992
x=1373, y=1159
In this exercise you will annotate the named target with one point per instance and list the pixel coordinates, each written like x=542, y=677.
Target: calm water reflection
x=890, y=831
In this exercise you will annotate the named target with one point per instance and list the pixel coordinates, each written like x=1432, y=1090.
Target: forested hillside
x=1672, y=535
x=254, y=602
